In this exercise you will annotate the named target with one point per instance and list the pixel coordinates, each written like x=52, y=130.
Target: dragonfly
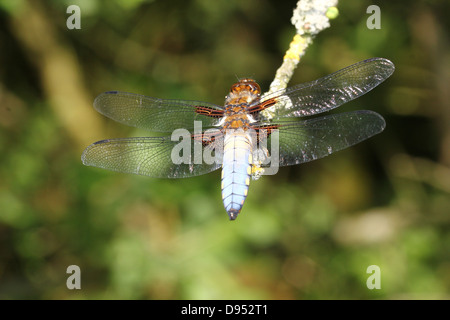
x=249, y=136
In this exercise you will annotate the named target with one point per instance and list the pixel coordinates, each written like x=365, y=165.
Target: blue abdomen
x=236, y=171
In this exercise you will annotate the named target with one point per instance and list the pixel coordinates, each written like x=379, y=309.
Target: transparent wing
x=328, y=92
x=316, y=138
x=152, y=156
x=156, y=114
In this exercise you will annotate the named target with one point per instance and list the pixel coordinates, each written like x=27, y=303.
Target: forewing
x=328, y=92
x=154, y=114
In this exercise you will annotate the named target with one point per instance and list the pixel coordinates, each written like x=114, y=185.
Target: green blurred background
x=310, y=232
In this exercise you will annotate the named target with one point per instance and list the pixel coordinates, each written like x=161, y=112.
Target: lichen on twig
x=309, y=18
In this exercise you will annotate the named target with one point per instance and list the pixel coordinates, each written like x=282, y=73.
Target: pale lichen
x=309, y=18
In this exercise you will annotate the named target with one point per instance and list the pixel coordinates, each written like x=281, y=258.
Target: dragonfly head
x=246, y=85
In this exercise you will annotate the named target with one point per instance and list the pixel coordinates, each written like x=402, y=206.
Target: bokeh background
x=309, y=232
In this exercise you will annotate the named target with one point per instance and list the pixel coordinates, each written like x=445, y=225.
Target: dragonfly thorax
x=242, y=94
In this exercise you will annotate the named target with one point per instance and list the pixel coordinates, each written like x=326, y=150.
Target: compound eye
x=254, y=87
x=236, y=87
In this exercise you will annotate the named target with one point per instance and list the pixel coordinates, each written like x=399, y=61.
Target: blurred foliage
x=309, y=232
